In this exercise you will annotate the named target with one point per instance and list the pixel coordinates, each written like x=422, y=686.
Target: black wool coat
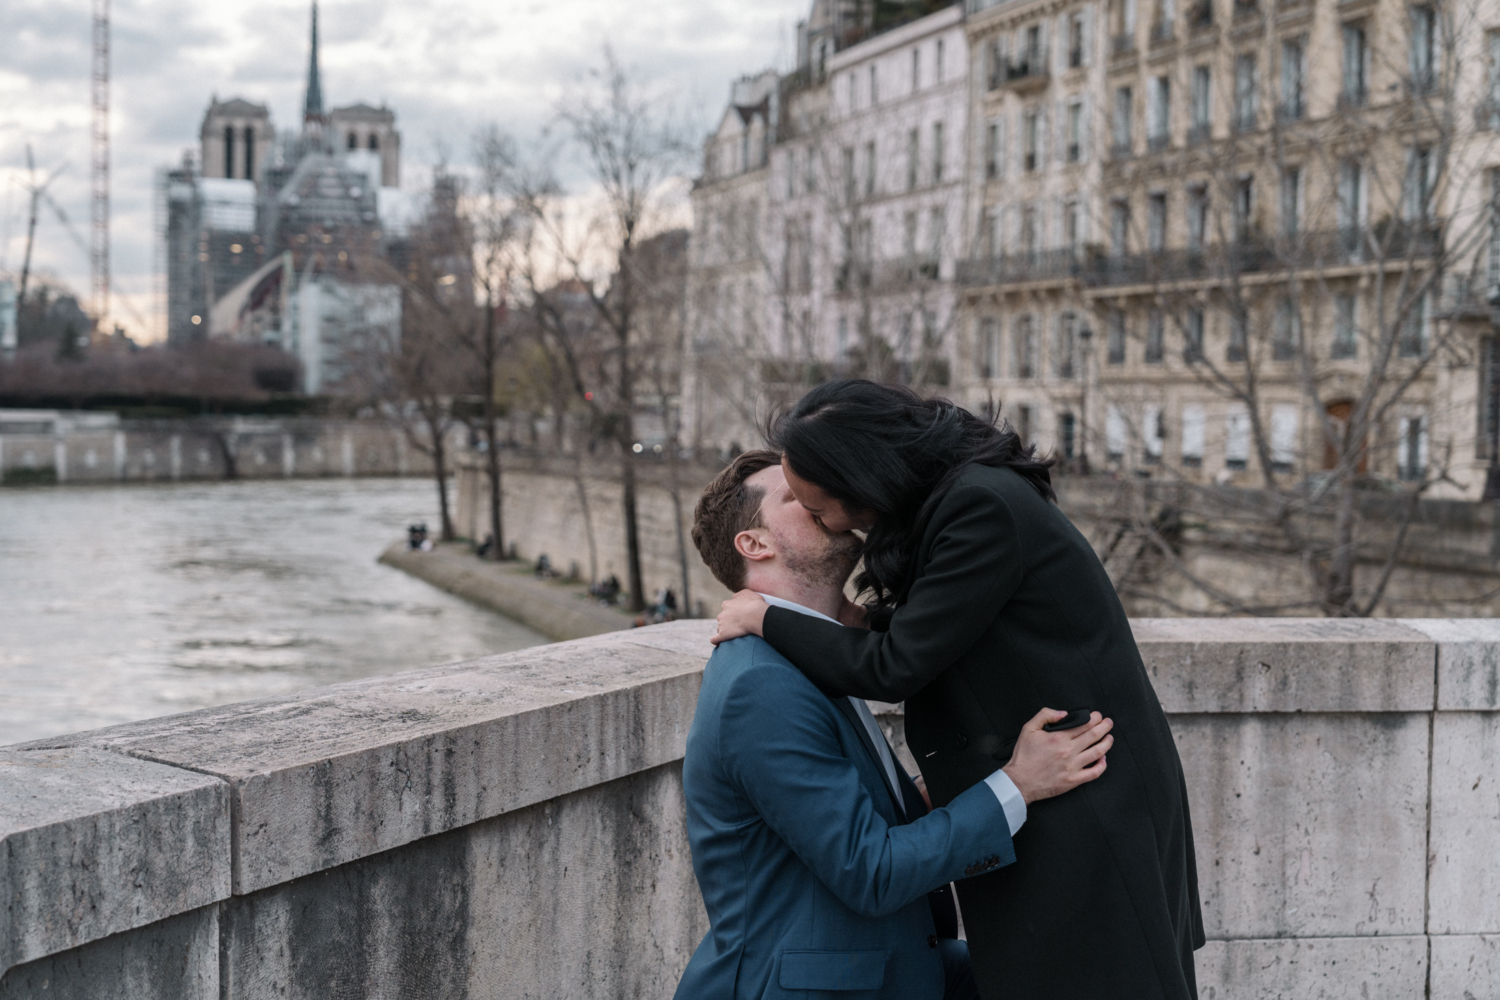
x=1011, y=611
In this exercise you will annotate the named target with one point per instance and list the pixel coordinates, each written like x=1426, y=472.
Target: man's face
x=808, y=550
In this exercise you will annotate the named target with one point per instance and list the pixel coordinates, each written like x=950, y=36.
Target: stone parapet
x=514, y=825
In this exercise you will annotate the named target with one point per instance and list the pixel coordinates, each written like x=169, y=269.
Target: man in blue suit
x=814, y=850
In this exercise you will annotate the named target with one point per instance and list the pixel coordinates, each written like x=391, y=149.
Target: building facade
x=1213, y=241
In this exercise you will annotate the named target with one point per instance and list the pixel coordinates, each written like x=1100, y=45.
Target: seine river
x=123, y=603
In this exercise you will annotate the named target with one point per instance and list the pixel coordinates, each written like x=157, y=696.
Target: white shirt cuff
x=1010, y=798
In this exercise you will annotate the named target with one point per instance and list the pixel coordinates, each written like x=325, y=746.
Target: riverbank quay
x=47, y=447
x=513, y=826
x=571, y=510
x=556, y=609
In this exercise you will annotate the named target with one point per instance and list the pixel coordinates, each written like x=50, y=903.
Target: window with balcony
x=1072, y=227
x=1487, y=115
x=869, y=168
x=1424, y=29
x=1494, y=241
x=1065, y=346
x=1031, y=50
x=1194, y=435
x=1246, y=92
x=909, y=235
x=1237, y=437
x=1239, y=335
x=916, y=70
x=992, y=150
x=937, y=153
x=1075, y=40
x=1355, y=84
x=1421, y=167
x=987, y=349
x=1244, y=208
x=1031, y=127
x=847, y=155
x=1155, y=337
x=1415, y=331
x=913, y=157
x=1351, y=206
x=1119, y=228
x=1153, y=434
x=1156, y=222
x=1284, y=419
x=1293, y=79
x=1023, y=364
x=1192, y=336
x=1120, y=133
x=1114, y=341
x=1075, y=132
x=1411, y=459
x=937, y=227
x=1345, y=327
x=1162, y=27
x=1202, y=104
x=1067, y=435
x=1029, y=227
x=1287, y=333
x=1159, y=114
x=1116, y=433
x=1197, y=217
x=1291, y=201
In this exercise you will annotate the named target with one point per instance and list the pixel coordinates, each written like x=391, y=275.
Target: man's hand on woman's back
x=1044, y=765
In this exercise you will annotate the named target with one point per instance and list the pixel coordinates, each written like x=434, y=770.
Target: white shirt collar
x=781, y=602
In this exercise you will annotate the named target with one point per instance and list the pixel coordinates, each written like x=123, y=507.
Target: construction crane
x=38, y=193
x=99, y=248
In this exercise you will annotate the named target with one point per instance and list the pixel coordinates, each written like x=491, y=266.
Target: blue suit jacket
x=812, y=880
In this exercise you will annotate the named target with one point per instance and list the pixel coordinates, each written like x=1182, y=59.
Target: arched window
x=228, y=150
x=353, y=141
x=374, y=141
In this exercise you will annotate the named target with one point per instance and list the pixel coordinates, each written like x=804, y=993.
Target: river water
x=124, y=603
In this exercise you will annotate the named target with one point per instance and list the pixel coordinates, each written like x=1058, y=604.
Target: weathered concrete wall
x=513, y=826
x=97, y=448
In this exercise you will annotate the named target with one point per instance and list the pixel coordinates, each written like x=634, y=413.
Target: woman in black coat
x=985, y=605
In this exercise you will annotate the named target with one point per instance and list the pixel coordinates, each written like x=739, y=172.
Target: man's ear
x=754, y=544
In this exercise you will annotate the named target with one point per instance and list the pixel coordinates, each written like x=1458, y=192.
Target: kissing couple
x=1051, y=795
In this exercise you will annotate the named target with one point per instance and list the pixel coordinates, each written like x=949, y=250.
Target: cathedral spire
x=312, y=109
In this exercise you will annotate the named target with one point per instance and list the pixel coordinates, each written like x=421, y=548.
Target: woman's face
x=830, y=513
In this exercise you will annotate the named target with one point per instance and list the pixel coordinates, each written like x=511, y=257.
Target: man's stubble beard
x=831, y=564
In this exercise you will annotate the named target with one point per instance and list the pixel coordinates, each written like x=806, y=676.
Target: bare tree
x=634, y=152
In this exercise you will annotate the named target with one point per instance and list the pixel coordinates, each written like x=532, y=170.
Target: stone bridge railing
x=513, y=826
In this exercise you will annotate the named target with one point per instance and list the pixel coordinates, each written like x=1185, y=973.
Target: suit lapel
x=864, y=738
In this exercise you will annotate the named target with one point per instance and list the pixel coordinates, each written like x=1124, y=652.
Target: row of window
x=861, y=86
x=860, y=169
x=1025, y=360
x=1037, y=146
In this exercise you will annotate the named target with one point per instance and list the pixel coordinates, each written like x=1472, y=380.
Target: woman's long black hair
x=884, y=448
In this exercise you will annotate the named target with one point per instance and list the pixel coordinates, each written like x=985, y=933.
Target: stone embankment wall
x=1450, y=563
x=48, y=447
x=513, y=826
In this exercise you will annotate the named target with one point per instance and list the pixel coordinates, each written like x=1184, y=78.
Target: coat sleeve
x=780, y=746
x=974, y=567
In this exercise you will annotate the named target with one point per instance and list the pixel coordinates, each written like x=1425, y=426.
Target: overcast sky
x=444, y=66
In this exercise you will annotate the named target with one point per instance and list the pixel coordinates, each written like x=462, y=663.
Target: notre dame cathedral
x=263, y=229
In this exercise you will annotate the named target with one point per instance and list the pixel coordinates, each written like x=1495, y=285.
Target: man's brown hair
x=727, y=508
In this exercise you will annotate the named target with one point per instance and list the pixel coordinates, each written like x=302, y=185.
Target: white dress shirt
x=1005, y=790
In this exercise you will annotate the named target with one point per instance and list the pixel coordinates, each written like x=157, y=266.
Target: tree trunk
x=1338, y=590
x=632, y=533
x=440, y=471
x=492, y=451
